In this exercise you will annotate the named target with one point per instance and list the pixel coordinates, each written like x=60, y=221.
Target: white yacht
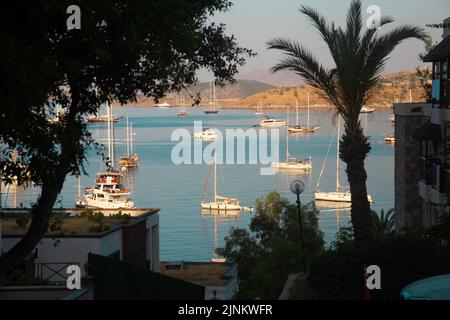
x=108, y=192
x=365, y=109
x=268, y=122
x=206, y=135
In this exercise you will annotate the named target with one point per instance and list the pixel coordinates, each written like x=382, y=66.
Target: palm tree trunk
x=354, y=149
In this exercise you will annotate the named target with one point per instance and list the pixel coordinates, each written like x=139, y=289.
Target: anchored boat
x=338, y=195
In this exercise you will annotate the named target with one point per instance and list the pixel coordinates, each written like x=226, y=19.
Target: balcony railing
x=439, y=177
x=52, y=272
x=426, y=169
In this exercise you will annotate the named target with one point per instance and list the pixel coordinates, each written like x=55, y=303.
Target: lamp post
x=297, y=187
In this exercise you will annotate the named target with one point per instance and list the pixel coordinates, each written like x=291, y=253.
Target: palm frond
x=302, y=62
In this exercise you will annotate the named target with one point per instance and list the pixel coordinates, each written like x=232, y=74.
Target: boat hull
x=101, y=204
x=219, y=206
x=272, y=125
x=292, y=166
x=336, y=197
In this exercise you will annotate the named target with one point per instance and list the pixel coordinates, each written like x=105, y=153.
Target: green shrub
x=338, y=273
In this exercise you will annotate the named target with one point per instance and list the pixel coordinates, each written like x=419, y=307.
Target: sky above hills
x=254, y=22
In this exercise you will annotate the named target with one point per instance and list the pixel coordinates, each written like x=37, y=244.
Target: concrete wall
x=71, y=250
x=408, y=204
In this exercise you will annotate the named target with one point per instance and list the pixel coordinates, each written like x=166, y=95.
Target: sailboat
x=106, y=118
x=80, y=203
x=129, y=160
x=212, y=99
x=294, y=164
x=259, y=109
x=182, y=112
x=301, y=129
x=335, y=196
x=109, y=191
x=219, y=203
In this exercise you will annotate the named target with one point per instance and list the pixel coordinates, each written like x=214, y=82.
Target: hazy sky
x=254, y=22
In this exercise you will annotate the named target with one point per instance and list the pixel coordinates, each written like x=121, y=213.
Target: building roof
x=76, y=226
x=441, y=51
x=201, y=273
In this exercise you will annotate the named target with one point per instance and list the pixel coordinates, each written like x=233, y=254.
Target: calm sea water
x=186, y=233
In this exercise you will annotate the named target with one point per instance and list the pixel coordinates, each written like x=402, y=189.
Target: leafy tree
x=359, y=59
x=267, y=253
x=425, y=74
x=124, y=48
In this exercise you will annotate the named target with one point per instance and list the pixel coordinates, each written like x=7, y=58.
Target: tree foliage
x=271, y=250
x=359, y=59
x=124, y=48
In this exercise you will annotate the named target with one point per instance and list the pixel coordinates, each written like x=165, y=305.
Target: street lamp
x=297, y=187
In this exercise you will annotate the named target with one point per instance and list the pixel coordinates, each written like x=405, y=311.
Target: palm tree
x=359, y=59
x=383, y=224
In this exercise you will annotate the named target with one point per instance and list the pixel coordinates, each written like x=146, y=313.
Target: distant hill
x=238, y=90
x=277, y=79
x=394, y=87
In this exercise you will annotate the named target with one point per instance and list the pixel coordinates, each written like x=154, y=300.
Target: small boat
x=129, y=160
x=268, y=122
x=292, y=163
x=392, y=118
x=259, y=109
x=335, y=196
x=212, y=99
x=390, y=139
x=221, y=204
x=206, y=135
x=302, y=129
x=296, y=164
x=182, y=111
x=102, y=119
x=365, y=109
x=163, y=105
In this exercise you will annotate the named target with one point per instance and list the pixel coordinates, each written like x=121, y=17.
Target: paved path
x=290, y=282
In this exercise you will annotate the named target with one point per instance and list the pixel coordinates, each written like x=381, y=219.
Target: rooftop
x=88, y=223
x=201, y=273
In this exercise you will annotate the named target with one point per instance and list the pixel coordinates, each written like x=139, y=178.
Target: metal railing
x=426, y=166
x=53, y=272
x=439, y=177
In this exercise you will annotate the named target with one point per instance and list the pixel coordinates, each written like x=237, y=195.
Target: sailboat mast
x=210, y=95
x=128, y=137
x=296, y=110
x=113, y=155
x=308, y=109
x=108, y=131
x=287, y=133
x=79, y=187
x=214, y=96
x=215, y=177
x=337, y=151
x=131, y=137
